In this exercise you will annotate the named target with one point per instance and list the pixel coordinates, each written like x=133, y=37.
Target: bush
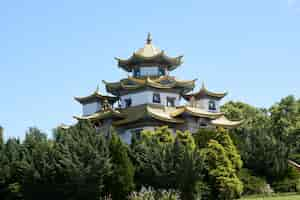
x=253, y=184
x=290, y=183
x=295, y=158
x=150, y=194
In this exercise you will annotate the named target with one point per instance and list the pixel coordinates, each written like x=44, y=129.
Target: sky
x=51, y=51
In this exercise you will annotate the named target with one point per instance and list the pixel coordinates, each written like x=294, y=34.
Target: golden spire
x=149, y=38
x=203, y=86
x=97, y=89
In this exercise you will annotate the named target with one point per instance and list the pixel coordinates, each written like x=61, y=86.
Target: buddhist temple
x=150, y=97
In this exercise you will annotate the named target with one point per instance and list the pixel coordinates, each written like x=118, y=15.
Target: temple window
x=149, y=71
x=171, y=101
x=156, y=98
x=212, y=105
x=202, y=123
x=128, y=102
x=137, y=72
x=161, y=71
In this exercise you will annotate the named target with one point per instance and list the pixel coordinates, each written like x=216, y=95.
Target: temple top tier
x=149, y=57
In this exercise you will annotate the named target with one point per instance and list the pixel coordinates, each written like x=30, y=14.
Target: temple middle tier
x=164, y=90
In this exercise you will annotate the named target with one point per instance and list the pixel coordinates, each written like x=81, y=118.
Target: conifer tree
x=1, y=138
x=121, y=181
x=221, y=175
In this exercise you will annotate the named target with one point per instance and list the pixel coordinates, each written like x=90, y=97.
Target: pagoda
x=150, y=97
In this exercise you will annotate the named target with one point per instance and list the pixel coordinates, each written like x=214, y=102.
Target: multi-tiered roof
x=150, y=114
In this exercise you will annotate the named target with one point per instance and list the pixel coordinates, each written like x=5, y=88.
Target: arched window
x=156, y=98
x=212, y=105
x=171, y=101
x=161, y=71
x=128, y=102
x=136, y=72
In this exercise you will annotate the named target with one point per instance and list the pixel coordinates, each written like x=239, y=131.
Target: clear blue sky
x=51, y=51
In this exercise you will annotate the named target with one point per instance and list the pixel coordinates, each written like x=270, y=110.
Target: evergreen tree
x=221, y=175
x=11, y=170
x=82, y=162
x=171, y=164
x=1, y=138
x=121, y=181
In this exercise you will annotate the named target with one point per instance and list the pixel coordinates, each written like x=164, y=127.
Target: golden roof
x=196, y=112
x=96, y=96
x=149, y=50
x=205, y=92
x=163, y=82
x=224, y=122
x=149, y=55
x=158, y=112
x=103, y=114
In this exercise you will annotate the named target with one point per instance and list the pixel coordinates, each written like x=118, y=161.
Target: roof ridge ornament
x=149, y=38
x=97, y=89
x=203, y=86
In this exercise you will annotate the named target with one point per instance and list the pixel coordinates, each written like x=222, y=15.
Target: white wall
x=127, y=135
x=149, y=71
x=144, y=97
x=91, y=108
x=203, y=103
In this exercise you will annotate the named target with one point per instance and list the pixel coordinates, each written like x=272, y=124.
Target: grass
x=287, y=196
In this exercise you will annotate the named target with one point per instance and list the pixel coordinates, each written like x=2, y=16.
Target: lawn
x=276, y=197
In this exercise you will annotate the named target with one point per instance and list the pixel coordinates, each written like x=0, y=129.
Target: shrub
x=253, y=184
x=290, y=183
x=150, y=194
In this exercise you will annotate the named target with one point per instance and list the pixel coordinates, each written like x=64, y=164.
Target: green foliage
x=285, y=116
x=80, y=163
x=1, y=137
x=203, y=136
x=162, y=134
x=185, y=138
x=120, y=183
x=168, y=164
x=150, y=194
x=253, y=184
x=260, y=149
x=221, y=172
x=290, y=183
x=73, y=166
x=223, y=162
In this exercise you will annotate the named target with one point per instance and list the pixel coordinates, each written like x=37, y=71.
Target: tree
x=162, y=134
x=1, y=138
x=260, y=147
x=221, y=174
x=82, y=162
x=168, y=163
x=186, y=139
x=285, y=117
x=11, y=169
x=121, y=181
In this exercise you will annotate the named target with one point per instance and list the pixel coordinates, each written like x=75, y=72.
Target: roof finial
x=149, y=38
x=97, y=89
x=203, y=85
